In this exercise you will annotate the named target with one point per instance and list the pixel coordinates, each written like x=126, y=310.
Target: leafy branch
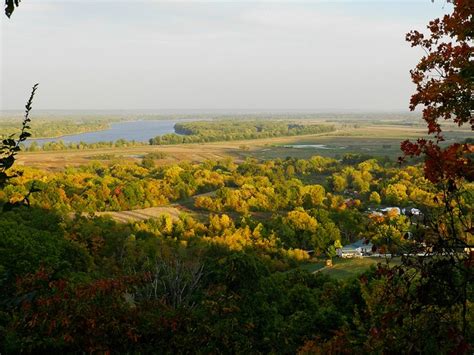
x=10, y=146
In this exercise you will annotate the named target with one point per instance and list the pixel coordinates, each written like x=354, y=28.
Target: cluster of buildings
x=406, y=211
x=364, y=247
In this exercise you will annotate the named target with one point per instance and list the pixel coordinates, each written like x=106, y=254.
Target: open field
x=346, y=268
x=374, y=140
x=174, y=210
x=142, y=214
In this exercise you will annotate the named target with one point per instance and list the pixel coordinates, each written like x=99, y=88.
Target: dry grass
x=142, y=214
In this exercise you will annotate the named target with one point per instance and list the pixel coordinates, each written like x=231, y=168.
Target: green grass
x=336, y=148
x=380, y=142
x=344, y=269
x=312, y=267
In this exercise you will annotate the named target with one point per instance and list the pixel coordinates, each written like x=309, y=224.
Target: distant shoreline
x=70, y=134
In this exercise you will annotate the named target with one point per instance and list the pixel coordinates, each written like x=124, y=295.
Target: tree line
x=230, y=130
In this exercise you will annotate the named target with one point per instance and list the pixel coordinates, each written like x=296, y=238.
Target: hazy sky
x=311, y=55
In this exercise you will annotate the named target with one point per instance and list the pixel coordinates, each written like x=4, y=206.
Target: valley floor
x=382, y=141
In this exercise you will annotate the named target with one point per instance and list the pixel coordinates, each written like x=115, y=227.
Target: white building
x=355, y=250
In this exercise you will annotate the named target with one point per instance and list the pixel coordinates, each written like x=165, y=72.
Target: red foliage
x=450, y=163
x=117, y=191
x=444, y=80
x=94, y=316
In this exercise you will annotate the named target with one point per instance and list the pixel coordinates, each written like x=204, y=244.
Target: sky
x=185, y=55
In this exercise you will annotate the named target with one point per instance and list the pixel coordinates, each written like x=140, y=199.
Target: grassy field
x=142, y=214
x=377, y=141
x=346, y=268
x=382, y=141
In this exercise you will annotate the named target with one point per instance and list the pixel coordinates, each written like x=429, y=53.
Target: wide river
x=137, y=130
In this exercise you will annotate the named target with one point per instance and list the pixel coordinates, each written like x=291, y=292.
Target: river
x=134, y=130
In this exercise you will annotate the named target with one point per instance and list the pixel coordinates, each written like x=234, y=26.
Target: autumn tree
x=444, y=80
x=375, y=198
x=423, y=305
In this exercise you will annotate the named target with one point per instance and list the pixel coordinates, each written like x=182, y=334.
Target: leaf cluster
x=9, y=148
